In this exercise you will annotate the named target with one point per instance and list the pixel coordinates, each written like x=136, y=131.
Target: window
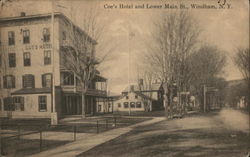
x=26, y=36
x=9, y=81
x=125, y=104
x=63, y=36
x=28, y=81
x=132, y=104
x=47, y=57
x=26, y=59
x=127, y=97
x=99, y=108
x=138, y=104
x=42, y=101
x=136, y=96
x=18, y=103
x=8, y=104
x=12, y=60
x=11, y=38
x=46, y=35
x=119, y=105
x=68, y=78
x=46, y=80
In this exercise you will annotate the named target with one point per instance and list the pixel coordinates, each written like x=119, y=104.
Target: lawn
x=30, y=143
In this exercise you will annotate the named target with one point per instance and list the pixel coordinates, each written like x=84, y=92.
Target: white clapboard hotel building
x=27, y=63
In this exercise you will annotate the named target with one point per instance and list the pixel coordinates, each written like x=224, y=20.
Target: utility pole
x=165, y=86
x=129, y=67
x=53, y=108
x=204, y=97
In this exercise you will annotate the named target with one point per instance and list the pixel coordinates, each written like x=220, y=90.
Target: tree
x=173, y=39
x=145, y=81
x=4, y=2
x=80, y=56
x=205, y=66
x=242, y=61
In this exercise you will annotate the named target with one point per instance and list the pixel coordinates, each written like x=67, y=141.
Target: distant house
x=133, y=101
x=154, y=92
x=237, y=94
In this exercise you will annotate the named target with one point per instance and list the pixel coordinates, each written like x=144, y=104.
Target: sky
x=227, y=29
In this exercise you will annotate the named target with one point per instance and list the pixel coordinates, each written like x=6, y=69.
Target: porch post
x=92, y=105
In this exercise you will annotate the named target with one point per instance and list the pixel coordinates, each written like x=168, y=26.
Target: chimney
x=132, y=88
x=140, y=84
x=22, y=14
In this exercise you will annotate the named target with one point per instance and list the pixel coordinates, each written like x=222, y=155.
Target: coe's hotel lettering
x=36, y=47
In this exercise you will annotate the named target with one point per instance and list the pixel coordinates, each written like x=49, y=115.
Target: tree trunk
x=83, y=104
x=165, y=99
x=170, y=102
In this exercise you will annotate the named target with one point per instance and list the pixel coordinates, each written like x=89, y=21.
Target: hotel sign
x=37, y=47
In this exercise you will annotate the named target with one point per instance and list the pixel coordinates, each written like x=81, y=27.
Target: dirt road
x=223, y=134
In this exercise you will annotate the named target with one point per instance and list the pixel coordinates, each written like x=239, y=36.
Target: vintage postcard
x=124, y=78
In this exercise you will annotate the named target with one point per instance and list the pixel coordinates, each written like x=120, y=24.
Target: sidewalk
x=85, y=144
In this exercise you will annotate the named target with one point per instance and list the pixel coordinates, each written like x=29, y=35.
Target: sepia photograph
x=124, y=78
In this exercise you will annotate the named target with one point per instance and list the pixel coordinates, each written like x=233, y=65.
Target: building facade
x=154, y=92
x=133, y=101
x=28, y=65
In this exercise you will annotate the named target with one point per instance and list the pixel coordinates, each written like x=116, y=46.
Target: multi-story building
x=28, y=65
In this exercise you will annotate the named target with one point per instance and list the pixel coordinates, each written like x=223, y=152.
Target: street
x=215, y=134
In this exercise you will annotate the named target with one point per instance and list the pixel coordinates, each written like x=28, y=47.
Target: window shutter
x=22, y=103
x=12, y=104
x=24, y=84
x=13, y=82
x=14, y=60
x=43, y=80
x=4, y=82
x=33, y=81
x=51, y=77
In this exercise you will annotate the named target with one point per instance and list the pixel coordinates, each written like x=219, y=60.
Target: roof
x=97, y=78
x=40, y=16
x=235, y=82
x=116, y=97
x=31, y=91
x=137, y=93
x=100, y=78
x=144, y=96
x=154, y=87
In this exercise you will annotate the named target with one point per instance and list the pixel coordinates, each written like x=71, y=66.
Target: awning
x=31, y=91
x=100, y=78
